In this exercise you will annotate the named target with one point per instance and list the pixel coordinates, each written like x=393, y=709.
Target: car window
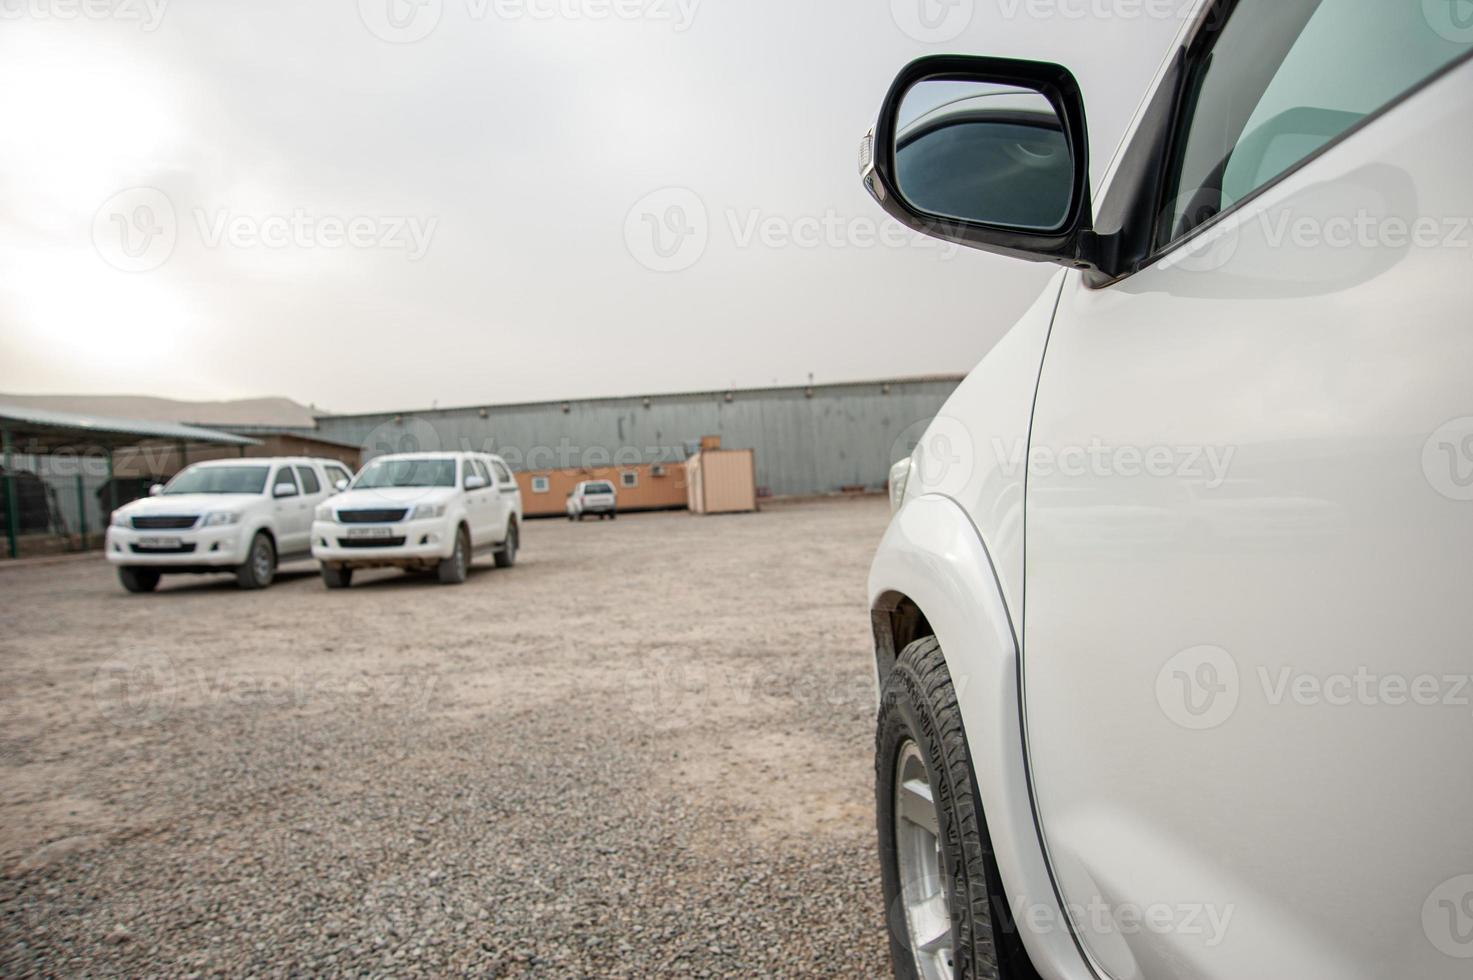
x=598, y=488
x=336, y=473
x=1283, y=79
x=219, y=479
x=479, y=468
x=503, y=475
x=431, y=472
x=284, y=478
x=310, y=484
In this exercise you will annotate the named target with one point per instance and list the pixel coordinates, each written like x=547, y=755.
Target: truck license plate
x=369, y=532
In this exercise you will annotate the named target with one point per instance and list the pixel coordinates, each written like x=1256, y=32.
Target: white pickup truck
x=241, y=516
x=420, y=511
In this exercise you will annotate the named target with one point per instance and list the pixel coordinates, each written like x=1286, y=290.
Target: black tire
x=613, y=515
x=580, y=517
x=138, y=579
x=337, y=576
x=259, y=568
x=506, y=555
x=453, y=570
x=918, y=705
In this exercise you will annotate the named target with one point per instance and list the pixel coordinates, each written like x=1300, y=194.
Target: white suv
x=1172, y=622
x=232, y=515
x=420, y=511
x=593, y=497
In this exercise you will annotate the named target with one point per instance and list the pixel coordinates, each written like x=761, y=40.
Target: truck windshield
x=220, y=479
x=406, y=473
x=598, y=488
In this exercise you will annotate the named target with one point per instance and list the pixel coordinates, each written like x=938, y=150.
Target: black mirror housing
x=1073, y=243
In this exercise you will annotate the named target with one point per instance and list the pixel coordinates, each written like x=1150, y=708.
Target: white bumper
x=403, y=543
x=223, y=546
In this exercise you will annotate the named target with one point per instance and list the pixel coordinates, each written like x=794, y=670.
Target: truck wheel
x=944, y=903
x=259, y=567
x=613, y=515
x=337, y=576
x=138, y=579
x=506, y=555
x=452, y=570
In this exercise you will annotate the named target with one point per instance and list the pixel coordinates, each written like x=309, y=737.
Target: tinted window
x=598, y=488
x=503, y=474
x=336, y=473
x=480, y=470
x=1283, y=79
x=220, y=479
x=310, y=484
x=406, y=473
x=284, y=478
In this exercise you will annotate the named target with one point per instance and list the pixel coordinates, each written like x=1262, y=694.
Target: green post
x=12, y=509
x=82, y=510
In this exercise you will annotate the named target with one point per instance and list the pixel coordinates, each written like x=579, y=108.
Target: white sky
x=510, y=146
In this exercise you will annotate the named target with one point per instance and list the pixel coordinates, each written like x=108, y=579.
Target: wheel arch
x=933, y=576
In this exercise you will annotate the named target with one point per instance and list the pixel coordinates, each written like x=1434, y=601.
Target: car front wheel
x=944, y=902
x=337, y=576
x=139, y=579
x=453, y=570
x=259, y=567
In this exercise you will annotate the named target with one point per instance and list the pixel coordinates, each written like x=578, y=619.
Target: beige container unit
x=722, y=481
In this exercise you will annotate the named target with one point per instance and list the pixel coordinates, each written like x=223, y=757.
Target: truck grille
x=165, y=522
x=370, y=542
x=371, y=516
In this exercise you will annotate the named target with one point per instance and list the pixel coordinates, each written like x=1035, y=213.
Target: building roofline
x=653, y=397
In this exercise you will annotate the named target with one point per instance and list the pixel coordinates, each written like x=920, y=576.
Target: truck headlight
x=425, y=511
x=119, y=519
x=324, y=513
x=220, y=517
x=899, y=477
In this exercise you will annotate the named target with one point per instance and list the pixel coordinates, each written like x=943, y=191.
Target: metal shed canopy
x=38, y=431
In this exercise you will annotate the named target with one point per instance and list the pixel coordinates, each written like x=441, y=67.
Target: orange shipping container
x=658, y=486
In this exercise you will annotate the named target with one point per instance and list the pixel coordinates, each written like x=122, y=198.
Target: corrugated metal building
x=808, y=440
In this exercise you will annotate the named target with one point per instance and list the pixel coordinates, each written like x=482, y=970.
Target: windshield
x=220, y=479
x=407, y=473
x=597, y=488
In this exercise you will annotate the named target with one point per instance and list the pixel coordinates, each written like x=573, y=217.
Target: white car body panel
x=1330, y=533
x=1319, y=375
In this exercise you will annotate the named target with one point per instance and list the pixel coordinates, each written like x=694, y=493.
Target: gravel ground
x=645, y=751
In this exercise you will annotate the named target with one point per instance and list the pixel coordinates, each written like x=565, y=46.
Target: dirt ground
x=646, y=750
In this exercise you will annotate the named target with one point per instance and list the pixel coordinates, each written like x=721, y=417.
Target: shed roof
x=36, y=430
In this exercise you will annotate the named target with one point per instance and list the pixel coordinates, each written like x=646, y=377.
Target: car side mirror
x=284, y=490
x=156, y=489
x=991, y=153
x=340, y=485
x=474, y=483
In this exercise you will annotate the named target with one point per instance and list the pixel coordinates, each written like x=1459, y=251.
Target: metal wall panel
x=841, y=435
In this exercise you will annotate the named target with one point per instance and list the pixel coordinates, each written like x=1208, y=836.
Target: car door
x=1249, y=524
x=508, y=497
x=293, y=514
x=481, y=503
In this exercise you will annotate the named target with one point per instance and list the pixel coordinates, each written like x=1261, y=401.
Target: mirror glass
x=979, y=152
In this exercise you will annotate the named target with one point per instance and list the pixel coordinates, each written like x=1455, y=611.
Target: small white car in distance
x=596, y=497
x=420, y=511
x=242, y=516
x=1171, y=622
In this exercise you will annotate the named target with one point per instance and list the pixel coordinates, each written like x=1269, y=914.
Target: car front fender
x=933, y=556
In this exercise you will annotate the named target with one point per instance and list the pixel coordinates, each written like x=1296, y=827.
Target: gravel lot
x=643, y=751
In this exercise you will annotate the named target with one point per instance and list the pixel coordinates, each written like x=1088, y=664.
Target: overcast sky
x=375, y=204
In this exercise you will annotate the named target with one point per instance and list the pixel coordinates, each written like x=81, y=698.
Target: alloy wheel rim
x=263, y=560
x=923, y=891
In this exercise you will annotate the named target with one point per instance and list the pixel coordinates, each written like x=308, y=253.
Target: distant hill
x=281, y=412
